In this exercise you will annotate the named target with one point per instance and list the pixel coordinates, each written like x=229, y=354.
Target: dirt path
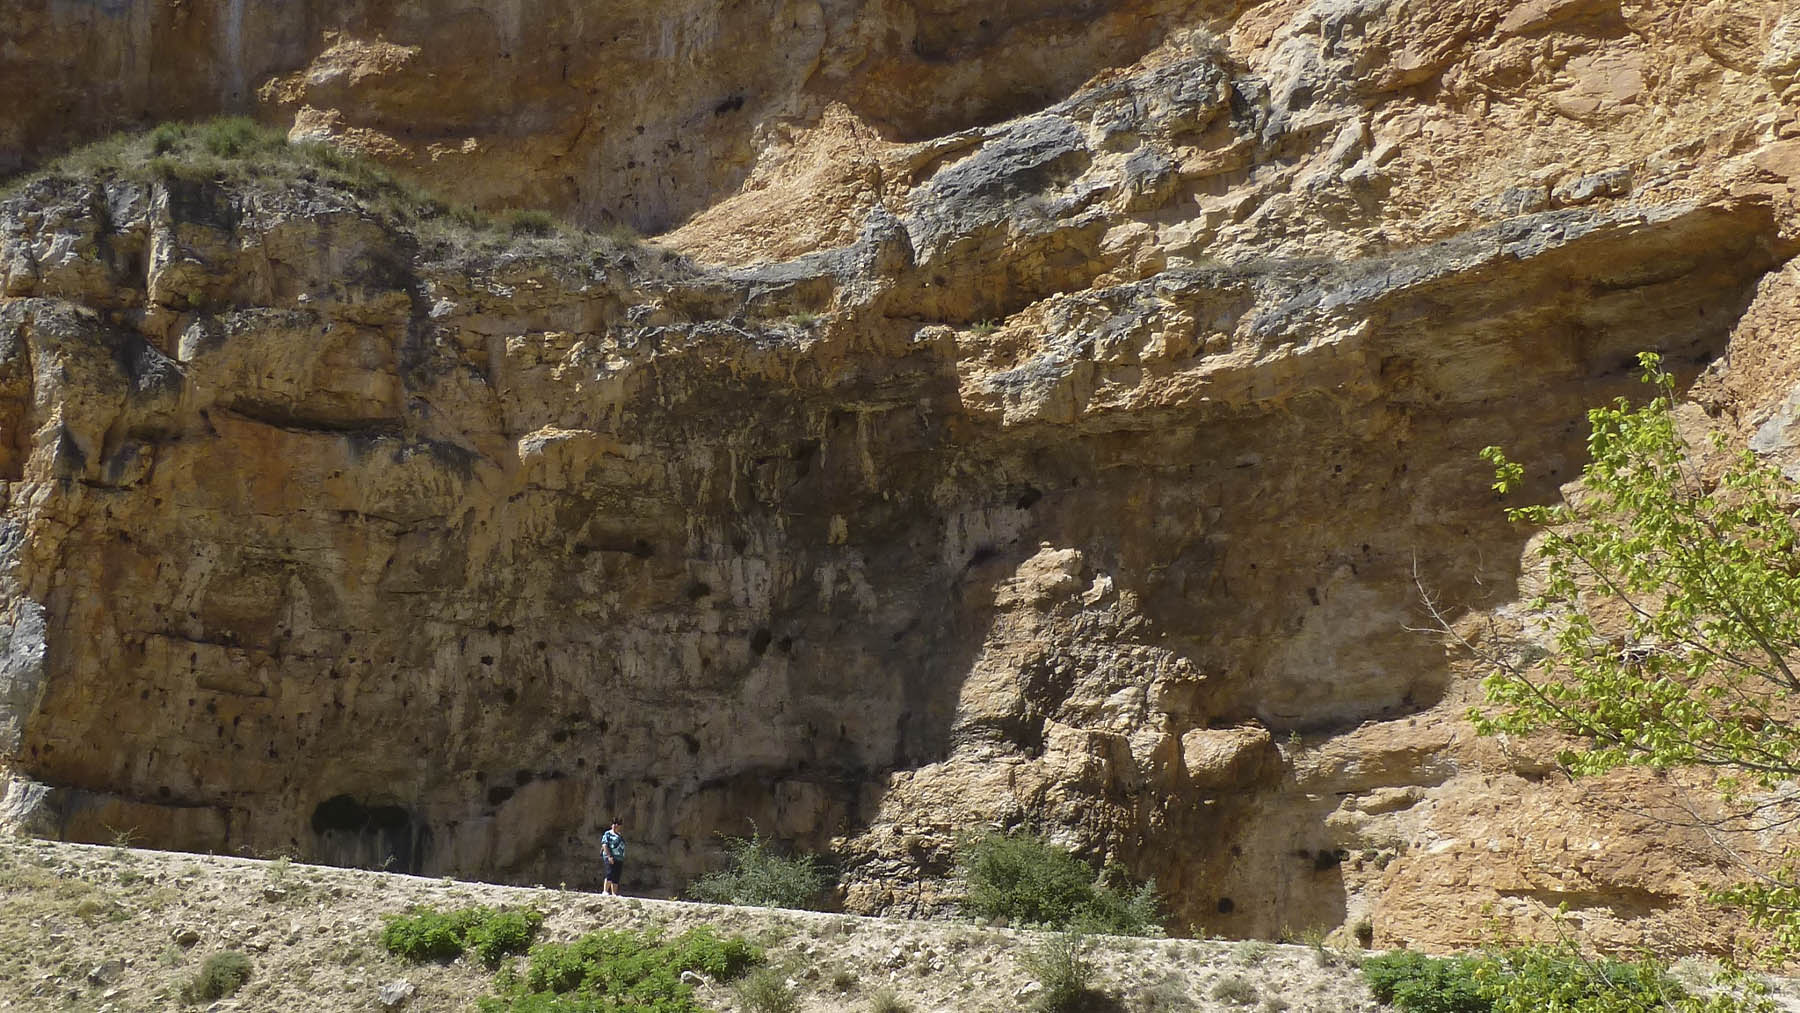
x=111, y=930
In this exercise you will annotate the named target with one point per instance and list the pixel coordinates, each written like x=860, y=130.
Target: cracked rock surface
x=1042, y=417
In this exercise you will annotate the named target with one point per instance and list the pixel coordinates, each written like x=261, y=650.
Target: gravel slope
x=110, y=930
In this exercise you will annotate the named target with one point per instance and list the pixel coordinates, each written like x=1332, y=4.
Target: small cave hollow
x=352, y=833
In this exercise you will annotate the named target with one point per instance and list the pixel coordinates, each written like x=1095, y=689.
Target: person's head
x=617, y=823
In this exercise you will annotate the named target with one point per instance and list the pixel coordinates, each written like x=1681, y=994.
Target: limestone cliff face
x=941, y=468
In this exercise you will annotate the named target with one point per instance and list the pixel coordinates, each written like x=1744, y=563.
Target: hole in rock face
x=348, y=832
x=1226, y=906
x=805, y=452
x=759, y=641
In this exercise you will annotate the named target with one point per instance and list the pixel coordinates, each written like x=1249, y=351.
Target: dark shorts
x=612, y=871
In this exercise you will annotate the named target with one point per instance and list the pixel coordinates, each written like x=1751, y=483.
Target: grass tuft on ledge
x=236, y=150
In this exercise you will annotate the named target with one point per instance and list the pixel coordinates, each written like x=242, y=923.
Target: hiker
x=612, y=852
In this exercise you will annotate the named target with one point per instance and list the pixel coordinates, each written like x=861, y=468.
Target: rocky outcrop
x=941, y=468
x=617, y=112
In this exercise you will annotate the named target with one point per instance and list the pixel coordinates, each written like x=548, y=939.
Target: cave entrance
x=348, y=832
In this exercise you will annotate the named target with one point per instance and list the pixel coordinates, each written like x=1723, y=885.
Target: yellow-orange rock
x=1026, y=419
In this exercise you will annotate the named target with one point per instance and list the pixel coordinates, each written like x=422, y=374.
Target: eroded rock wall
x=942, y=468
x=615, y=112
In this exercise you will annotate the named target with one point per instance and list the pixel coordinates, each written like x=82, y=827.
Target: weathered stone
x=1584, y=189
x=1010, y=451
x=395, y=993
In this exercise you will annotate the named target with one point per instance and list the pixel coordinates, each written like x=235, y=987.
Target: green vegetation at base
x=222, y=974
x=616, y=971
x=1536, y=979
x=757, y=876
x=1028, y=881
x=490, y=933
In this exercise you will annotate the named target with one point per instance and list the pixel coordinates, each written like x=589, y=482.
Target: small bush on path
x=757, y=876
x=1028, y=881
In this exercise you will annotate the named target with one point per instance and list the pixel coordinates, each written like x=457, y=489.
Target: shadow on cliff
x=1277, y=549
x=804, y=574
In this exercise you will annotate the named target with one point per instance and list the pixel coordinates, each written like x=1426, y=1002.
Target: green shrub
x=1120, y=907
x=759, y=877
x=164, y=137
x=222, y=974
x=530, y=222
x=1060, y=964
x=1169, y=995
x=237, y=136
x=766, y=991
x=423, y=934
x=888, y=1001
x=429, y=934
x=1236, y=990
x=615, y=971
x=1420, y=984
x=702, y=950
x=1528, y=979
x=1028, y=881
x=497, y=934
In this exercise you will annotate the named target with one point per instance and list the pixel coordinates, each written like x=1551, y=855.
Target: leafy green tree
x=1666, y=630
